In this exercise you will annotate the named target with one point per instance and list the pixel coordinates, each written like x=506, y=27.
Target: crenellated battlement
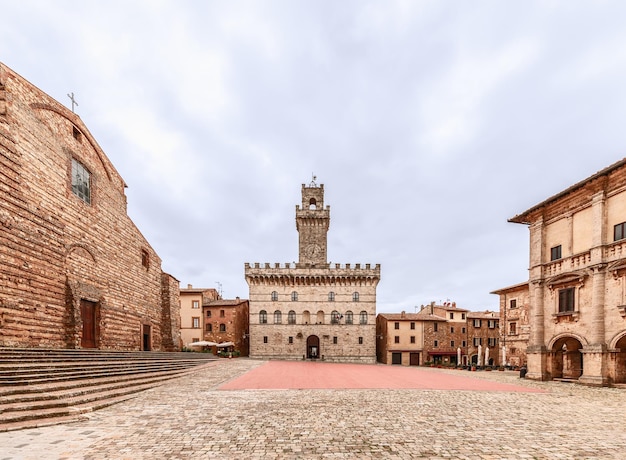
x=290, y=266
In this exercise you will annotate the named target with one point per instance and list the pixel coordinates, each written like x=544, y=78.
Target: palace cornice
x=289, y=275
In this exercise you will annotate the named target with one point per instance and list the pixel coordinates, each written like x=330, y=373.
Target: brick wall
x=56, y=250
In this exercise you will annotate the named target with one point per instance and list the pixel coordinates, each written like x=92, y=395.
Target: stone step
x=23, y=373
x=43, y=387
x=57, y=390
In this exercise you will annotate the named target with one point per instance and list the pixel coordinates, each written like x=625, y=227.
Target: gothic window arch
x=294, y=296
x=320, y=317
x=331, y=296
x=262, y=317
x=278, y=317
x=363, y=317
x=335, y=317
x=349, y=317
x=291, y=317
x=274, y=296
x=355, y=296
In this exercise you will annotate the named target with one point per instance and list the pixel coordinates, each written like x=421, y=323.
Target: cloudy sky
x=430, y=123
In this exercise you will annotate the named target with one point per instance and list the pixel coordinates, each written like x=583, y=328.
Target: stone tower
x=308, y=309
x=312, y=222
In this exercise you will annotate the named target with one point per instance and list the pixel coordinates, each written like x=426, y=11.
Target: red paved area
x=289, y=375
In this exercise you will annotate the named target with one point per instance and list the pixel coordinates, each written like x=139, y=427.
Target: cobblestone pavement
x=191, y=419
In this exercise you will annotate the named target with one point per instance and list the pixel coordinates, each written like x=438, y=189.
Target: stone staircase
x=41, y=387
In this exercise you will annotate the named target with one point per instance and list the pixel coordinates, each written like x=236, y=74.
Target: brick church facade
x=75, y=272
x=310, y=309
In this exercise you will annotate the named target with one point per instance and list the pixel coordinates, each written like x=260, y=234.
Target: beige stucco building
x=577, y=281
x=191, y=315
x=310, y=309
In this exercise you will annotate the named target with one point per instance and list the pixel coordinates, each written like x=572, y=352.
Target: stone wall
x=312, y=308
x=56, y=249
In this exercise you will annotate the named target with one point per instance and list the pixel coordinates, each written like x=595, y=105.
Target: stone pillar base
x=537, y=357
x=594, y=365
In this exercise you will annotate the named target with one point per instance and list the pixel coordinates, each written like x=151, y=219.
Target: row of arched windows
x=318, y=318
x=331, y=296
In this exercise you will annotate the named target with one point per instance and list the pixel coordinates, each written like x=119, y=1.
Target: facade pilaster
x=536, y=351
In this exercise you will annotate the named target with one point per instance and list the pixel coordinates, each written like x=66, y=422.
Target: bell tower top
x=312, y=223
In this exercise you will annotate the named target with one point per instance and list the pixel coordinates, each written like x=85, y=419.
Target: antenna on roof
x=219, y=289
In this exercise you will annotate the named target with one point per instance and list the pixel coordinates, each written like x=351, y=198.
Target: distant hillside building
x=226, y=321
x=577, y=281
x=438, y=334
x=75, y=272
x=312, y=310
x=514, y=324
x=483, y=333
x=191, y=321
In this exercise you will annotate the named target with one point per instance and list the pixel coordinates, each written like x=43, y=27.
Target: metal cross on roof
x=74, y=103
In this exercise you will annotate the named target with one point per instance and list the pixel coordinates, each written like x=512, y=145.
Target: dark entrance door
x=313, y=347
x=414, y=359
x=146, y=337
x=396, y=358
x=88, y=315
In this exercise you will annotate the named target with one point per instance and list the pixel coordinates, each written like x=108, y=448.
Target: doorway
x=313, y=347
x=414, y=359
x=567, y=360
x=88, y=315
x=146, y=337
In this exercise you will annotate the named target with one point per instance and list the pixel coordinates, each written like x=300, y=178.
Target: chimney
x=189, y=286
x=403, y=314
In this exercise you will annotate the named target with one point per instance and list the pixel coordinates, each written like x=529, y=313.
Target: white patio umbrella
x=486, y=356
x=503, y=355
x=224, y=344
x=480, y=355
x=201, y=343
x=458, y=356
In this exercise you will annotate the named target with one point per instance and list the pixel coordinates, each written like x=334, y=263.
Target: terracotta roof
x=483, y=314
x=523, y=217
x=515, y=287
x=421, y=316
x=224, y=302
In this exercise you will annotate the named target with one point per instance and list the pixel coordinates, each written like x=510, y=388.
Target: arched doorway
x=620, y=361
x=567, y=360
x=313, y=347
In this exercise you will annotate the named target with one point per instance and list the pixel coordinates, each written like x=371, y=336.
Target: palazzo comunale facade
x=577, y=281
x=310, y=310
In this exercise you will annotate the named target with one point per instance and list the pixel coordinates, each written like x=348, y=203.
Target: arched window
x=278, y=317
x=274, y=296
x=355, y=296
x=312, y=204
x=335, y=317
x=222, y=327
x=320, y=317
x=294, y=296
x=262, y=317
x=348, y=317
x=306, y=317
x=291, y=317
x=363, y=317
x=331, y=296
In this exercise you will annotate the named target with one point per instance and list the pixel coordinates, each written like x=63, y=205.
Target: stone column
x=595, y=354
x=536, y=351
